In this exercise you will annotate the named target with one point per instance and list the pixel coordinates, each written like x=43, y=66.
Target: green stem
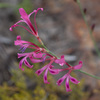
x=48, y=50
x=41, y=42
x=89, y=74
x=90, y=31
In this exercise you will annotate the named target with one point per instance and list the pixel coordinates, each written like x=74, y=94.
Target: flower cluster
x=39, y=54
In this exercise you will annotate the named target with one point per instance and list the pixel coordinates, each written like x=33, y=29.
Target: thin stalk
x=49, y=50
x=89, y=74
x=89, y=29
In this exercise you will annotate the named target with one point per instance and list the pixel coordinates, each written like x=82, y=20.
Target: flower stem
x=89, y=29
x=89, y=74
x=41, y=42
x=48, y=50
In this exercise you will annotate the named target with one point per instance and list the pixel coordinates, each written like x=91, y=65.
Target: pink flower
x=41, y=54
x=49, y=67
x=78, y=66
x=26, y=18
x=69, y=77
x=26, y=44
x=24, y=60
x=60, y=61
x=33, y=56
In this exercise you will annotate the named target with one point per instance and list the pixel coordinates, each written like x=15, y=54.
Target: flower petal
x=15, y=25
x=21, y=62
x=67, y=85
x=54, y=71
x=61, y=79
x=31, y=13
x=78, y=66
x=35, y=60
x=60, y=61
x=23, y=14
x=20, y=55
x=27, y=63
x=35, y=17
x=45, y=77
x=25, y=17
x=22, y=43
x=38, y=55
x=39, y=71
x=74, y=80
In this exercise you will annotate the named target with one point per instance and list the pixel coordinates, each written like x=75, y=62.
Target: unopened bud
x=85, y=10
x=92, y=27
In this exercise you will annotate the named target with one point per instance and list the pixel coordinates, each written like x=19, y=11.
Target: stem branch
x=89, y=29
x=89, y=74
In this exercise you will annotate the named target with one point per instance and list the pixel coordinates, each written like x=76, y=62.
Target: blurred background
x=63, y=31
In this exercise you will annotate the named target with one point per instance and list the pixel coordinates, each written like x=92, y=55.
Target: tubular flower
x=26, y=18
x=69, y=77
x=49, y=67
x=26, y=44
x=33, y=56
x=60, y=61
x=39, y=54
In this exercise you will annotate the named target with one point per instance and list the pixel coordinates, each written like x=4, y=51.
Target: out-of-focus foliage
x=4, y=5
x=27, y=5
x=39, y=90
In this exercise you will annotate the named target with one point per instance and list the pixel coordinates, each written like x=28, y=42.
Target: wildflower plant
x=42, y=54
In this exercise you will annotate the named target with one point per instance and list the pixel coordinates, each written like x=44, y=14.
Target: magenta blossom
x=49, y=67
x=26, y=18
x=33, y=56
x=69, y=77
x=26, y=44
x=60, y=61
x=41, y=54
